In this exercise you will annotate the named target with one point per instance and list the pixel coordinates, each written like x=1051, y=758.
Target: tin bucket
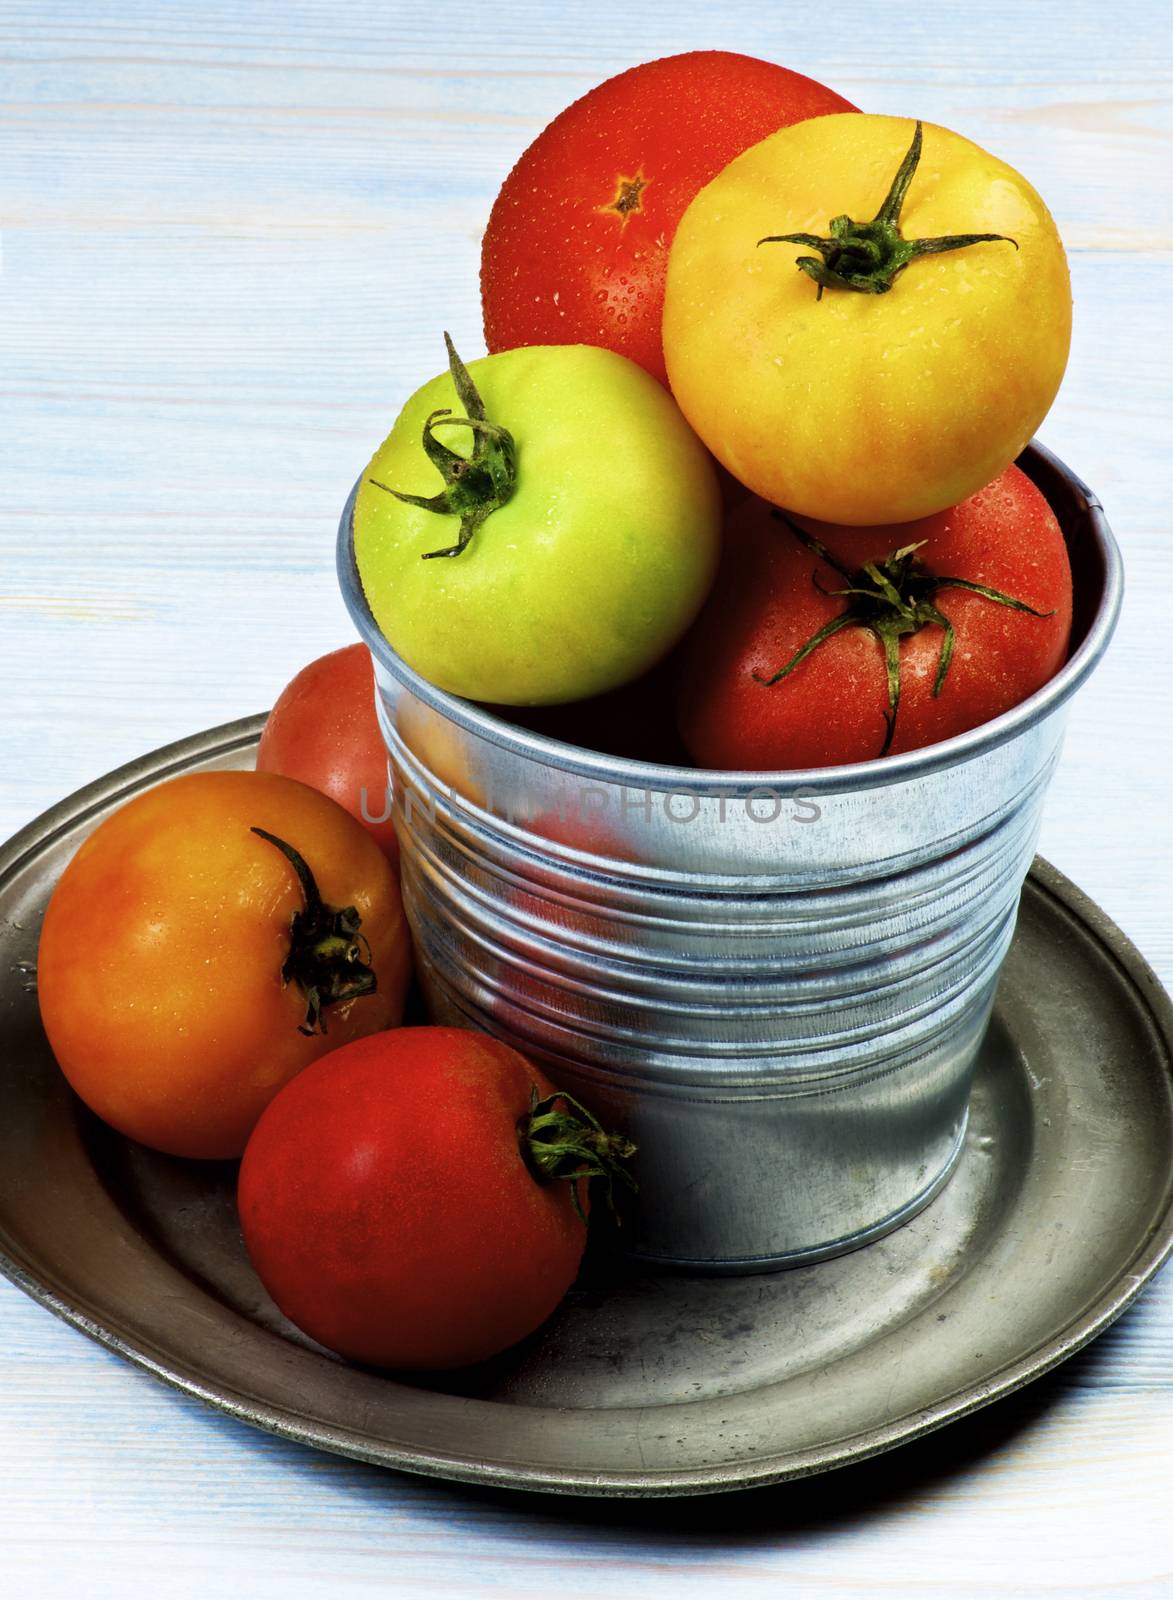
x=775, y=983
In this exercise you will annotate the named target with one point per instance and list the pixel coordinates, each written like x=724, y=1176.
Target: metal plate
x=642, y=1384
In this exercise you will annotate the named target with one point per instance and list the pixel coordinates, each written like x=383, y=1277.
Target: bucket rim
x=578, y=762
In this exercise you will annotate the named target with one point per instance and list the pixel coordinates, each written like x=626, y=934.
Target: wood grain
x=231, y=236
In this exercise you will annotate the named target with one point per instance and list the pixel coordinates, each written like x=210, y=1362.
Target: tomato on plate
x=418, y=1199
x=866, y=319
x=577, y=242
x=189, y=967
x=554, y=543
x=753, y=697
x=323, y=731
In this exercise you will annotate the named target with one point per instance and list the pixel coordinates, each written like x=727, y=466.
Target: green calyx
x=329, y=957
x=561, y=1140
x=476, y=485
x=892, y=598
x=867, y=257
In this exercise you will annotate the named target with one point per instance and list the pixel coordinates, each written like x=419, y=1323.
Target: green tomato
x=551, y=551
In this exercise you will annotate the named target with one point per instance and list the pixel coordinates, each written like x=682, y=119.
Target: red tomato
x=771, y=599
x=164, y=972
x=323, y=731
x=388, y=1208
x=576, y=249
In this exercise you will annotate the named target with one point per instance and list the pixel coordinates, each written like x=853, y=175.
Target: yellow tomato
x=840, y=373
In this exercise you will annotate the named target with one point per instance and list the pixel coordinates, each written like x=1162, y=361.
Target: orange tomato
x=166, y=965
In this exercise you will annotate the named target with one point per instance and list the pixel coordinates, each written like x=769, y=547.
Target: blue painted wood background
x=231, y=234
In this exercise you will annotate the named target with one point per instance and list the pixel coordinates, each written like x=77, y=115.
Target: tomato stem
x=892, y=598
x=561, y=1140
x=329, y=957
x=867, y=257
x=475, y=485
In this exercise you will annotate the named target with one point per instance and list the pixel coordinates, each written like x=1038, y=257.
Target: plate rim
x=1132, y=1275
